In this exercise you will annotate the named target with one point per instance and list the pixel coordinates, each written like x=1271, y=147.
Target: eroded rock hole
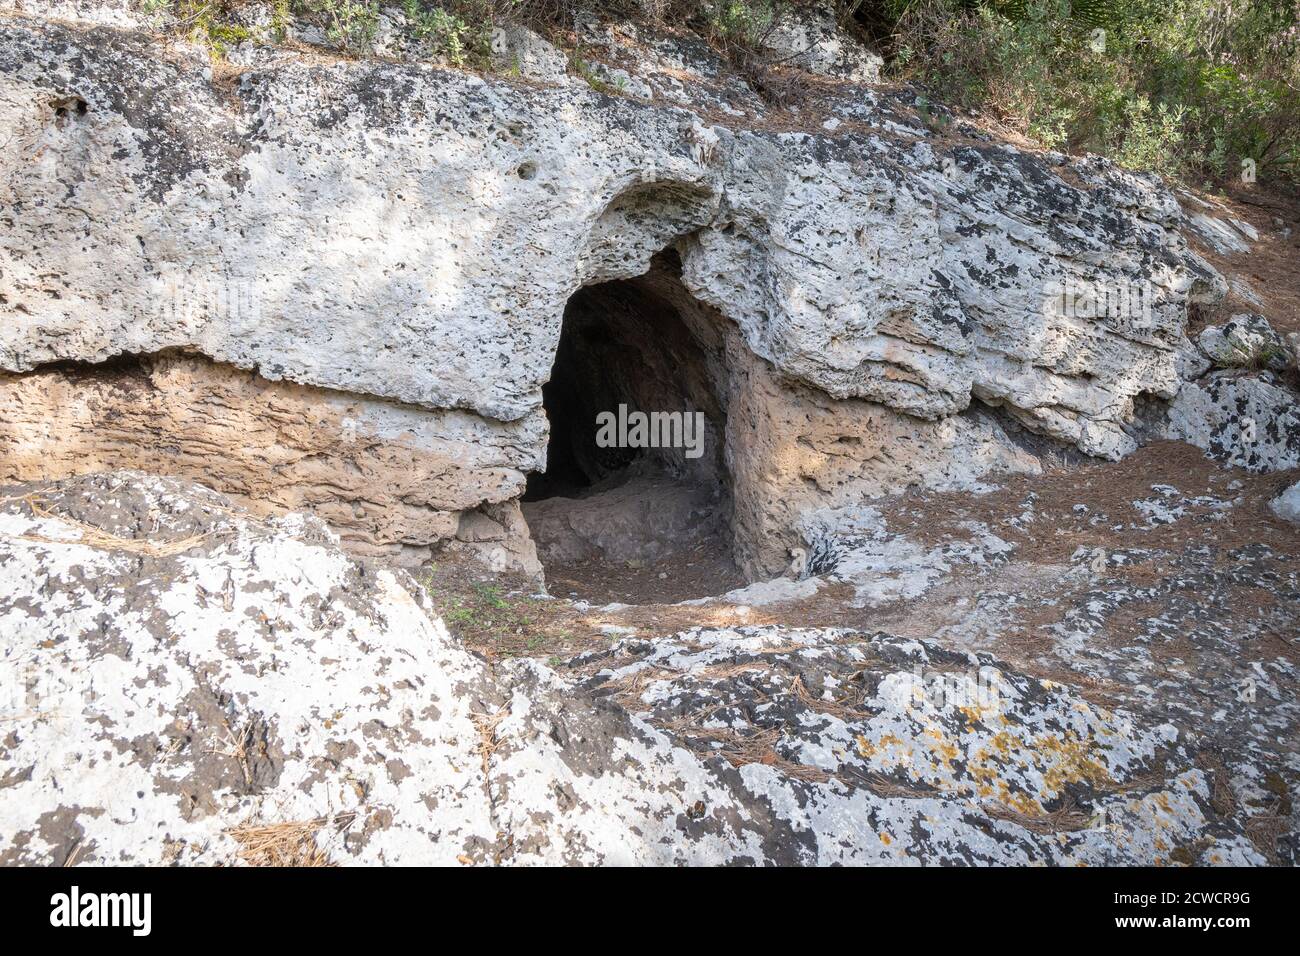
x=66, y=107
x=645, y=518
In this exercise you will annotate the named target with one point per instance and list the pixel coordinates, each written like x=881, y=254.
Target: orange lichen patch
x=1019, y=802
x=943, y=749
x=887, y=741
x=886, y=839
x=1074, y=762
x=1058, y=761
x=1004, y=742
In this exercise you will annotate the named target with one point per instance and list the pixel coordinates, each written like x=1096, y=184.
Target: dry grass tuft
x=235, y=746
x=1265, y=829
x=758, y=747
x=290, y=843
x=833, y=707
x=486, y=725
x=1069, y=817
x=883, y=786
x=628, y=688
x=717, y=672
x=99, y=538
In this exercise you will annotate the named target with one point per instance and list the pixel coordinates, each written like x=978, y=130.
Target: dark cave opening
x=645, y=517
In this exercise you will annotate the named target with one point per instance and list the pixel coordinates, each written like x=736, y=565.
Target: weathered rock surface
x=813, y=40
x=175, y=669
x=1226, y=238
x=1246, y=340
x=411, y=234
x=1287, y=504
x=639, y=520
x=1251, y=420
x=389, y=478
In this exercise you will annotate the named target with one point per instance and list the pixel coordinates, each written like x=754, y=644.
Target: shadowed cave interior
x=643, y=524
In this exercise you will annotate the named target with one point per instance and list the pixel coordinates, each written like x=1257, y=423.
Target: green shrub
x=461, y=32
x=741, y=22
x=1186, y=87
x=349, y=24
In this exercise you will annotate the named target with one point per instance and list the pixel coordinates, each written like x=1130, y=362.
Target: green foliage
x=741, y=22
x=349, y=24
x=1251, y=354
x=583, y=67
x=1186, y=87
x=460, y=32
x=203, y=21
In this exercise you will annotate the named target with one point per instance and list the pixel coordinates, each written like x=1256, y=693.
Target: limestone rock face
x=413, y=234
x=176, y=673
x=386, y=476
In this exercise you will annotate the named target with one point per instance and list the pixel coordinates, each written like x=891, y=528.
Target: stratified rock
x=389, y=478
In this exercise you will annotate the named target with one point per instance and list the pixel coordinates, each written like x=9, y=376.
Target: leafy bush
x=460, y=32
x=349, y=24
x=1187, y=87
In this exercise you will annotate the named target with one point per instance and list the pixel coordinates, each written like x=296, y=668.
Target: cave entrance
x=635, y=502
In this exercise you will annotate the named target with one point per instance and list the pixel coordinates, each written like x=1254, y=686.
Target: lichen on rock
x=182, y=669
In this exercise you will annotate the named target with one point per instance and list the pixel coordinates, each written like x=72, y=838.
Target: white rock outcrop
x=176, y=675
x=1287, y=504
x=413, y=234
x=1240, y=418
x=405, y=238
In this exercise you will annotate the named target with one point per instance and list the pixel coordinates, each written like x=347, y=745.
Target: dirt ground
x=1269, y=267
x=703, y=570
x=1203, y=508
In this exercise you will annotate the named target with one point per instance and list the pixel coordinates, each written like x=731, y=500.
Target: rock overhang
x=410, y=178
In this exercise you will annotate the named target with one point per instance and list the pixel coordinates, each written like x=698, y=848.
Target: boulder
x=1246, y=341
x=1287, y=504
x=1240, y=418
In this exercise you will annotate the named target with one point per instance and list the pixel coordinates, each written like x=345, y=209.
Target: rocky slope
x=186, y=680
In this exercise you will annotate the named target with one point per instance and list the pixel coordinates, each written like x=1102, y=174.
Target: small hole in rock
x=68, y=106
